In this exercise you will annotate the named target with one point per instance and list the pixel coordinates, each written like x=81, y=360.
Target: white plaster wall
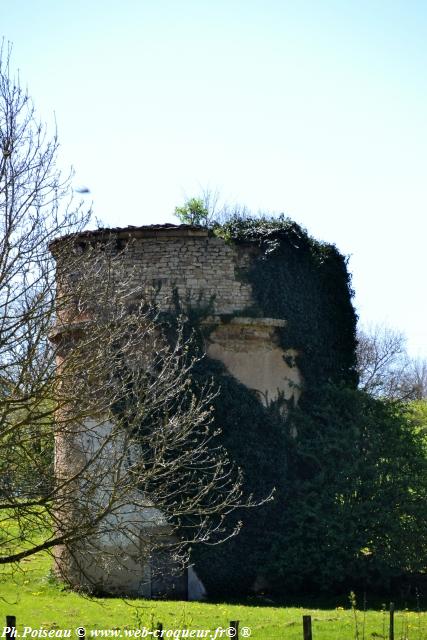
x=249, y=348
x=113, y=558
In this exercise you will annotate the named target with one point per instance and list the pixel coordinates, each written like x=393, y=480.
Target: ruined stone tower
x=204, y=272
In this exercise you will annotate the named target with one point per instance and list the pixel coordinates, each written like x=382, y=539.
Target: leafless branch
x=104, y=447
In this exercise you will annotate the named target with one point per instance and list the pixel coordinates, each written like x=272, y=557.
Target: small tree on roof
x=194, y=211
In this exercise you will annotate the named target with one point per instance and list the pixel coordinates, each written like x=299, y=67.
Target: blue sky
x=316, y=109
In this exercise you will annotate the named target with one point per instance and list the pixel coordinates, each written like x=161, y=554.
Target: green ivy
x=349, y=471
x=355, y=497
x=305, y=282
x=252, y=434
x=296, y=278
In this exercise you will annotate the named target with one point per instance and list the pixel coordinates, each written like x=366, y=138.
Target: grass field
x=38, y=601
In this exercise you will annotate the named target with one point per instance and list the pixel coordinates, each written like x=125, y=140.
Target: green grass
x=37, y=600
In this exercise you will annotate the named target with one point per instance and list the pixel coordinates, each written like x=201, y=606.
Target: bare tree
x=32, y=212
x=418, y=377
x=84, y=358
x=385, y=368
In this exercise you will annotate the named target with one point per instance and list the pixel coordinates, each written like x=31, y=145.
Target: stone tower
x=204, y=272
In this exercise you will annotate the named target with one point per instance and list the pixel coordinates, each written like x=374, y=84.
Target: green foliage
x=351, y=484
x=356, y=495
x=417, y=411
x=252, y=435
x=193, y=211
x=306, y=282
x=26, y=457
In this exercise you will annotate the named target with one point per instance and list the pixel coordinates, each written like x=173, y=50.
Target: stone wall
x=202, y=269
x=208, y=274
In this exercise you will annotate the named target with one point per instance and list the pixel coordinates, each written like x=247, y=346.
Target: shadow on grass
x=374, y=602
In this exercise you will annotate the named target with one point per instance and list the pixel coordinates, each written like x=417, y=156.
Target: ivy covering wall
x=306, y=282
x=341, y=463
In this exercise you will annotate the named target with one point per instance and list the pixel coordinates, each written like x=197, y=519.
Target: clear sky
x=315, y=109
